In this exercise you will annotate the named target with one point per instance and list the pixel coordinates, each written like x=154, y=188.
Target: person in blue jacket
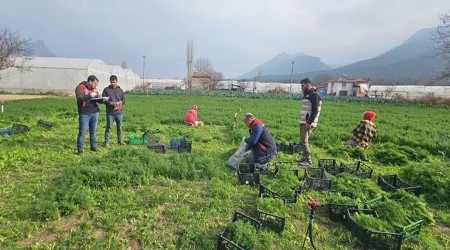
x=261, y=142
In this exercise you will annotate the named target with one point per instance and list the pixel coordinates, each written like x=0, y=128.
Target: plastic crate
x=247, y=175
x=391, y=183
x=47, y=125
x=409, y=231
x=157, y=147
x=174, y=143
x=358, y=169
x=137, y=140
x=290, y=148
x=6, y=131
x=185, y=146
x=372, y=239
x=272, y=221
x=223, y=243
x=151, y=139
x=263, y=191
x=331, y=166
x=336, y=211
x=317, y=179
x=20, y=128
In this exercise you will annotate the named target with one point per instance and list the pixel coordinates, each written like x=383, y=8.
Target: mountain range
x=412, y=62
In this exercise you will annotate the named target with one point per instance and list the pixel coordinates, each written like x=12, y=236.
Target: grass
x=127, y=197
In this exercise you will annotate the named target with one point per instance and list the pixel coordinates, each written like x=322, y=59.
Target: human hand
x=93, y=94
x=308, y=127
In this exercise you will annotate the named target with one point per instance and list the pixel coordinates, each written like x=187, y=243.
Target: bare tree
x=189, y=61
x=15, y=51
x=442, y=42
x=204, y=65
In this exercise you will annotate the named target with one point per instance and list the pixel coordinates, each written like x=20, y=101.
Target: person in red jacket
x=191, y=117
x=364, y=133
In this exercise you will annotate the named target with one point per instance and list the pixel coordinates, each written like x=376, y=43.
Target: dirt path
x=6, y=98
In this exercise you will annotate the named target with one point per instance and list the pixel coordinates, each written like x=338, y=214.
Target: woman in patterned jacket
x=365, y=131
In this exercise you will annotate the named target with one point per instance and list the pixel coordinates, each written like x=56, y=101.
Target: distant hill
x=282, y=65
x=40, y=49
x=412, y=62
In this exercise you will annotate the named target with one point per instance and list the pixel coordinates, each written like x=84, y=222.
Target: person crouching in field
x=191, y=117
x=261, y=142
x=364, y=132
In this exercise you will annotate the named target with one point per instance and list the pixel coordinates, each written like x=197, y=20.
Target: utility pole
x=143, y=70
x=292, y=76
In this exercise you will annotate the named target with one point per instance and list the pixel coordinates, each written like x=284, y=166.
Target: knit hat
x=369, y=115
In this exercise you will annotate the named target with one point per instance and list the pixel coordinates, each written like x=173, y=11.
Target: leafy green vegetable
x=371, y=223
x=272, y=206
x=241, y=233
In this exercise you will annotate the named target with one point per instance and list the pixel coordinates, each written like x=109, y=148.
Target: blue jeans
x=85, y=121
x=261, y=159
x=110, y=119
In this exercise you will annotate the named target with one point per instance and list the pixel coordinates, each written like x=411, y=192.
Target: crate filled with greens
x=391, y=183
x=371, y=231
x=331, y=166
x=271, y=212
x=317, y=179
x=285, y=185
x=402, y=220
x=247, y=174
x=358, y=169
x=337, y=204
x=240, y=233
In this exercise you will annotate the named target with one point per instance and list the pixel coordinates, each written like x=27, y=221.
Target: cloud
x=235, y=35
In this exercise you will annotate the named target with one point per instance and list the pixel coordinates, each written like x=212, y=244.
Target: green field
x=128, y=197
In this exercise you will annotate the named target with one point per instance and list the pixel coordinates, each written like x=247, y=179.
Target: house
x=345, y=86
x=200, y=80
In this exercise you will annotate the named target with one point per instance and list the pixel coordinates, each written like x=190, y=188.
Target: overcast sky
x=235, y=35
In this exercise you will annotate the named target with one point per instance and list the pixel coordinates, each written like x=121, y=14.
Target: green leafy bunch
x=272, y=206
x=241, y=233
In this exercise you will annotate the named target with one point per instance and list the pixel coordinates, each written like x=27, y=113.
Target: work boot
x=121, y=143
x=262, y=168
x=95, y=149
x=106, y=144
x=80, y=153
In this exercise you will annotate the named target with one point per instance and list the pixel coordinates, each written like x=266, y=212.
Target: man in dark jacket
x=261, y=142
x=114, y=109
x=87, y=98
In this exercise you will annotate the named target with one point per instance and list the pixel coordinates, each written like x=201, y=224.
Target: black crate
x=358, y=169
x=372, y=239
x=336, y=211
x=272, y=221
x=47, y=125
x=20, y=128
x=263, y=191
x=157, y=147
x=290, y=148
x=185, y=146
x=149, y=137
x=391, y=183
x=409, y=231
x=331, y=166
x=247, y=174
x=223, y=243
x=317, y=179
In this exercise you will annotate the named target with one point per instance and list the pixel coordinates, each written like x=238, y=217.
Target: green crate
x=137, y=140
